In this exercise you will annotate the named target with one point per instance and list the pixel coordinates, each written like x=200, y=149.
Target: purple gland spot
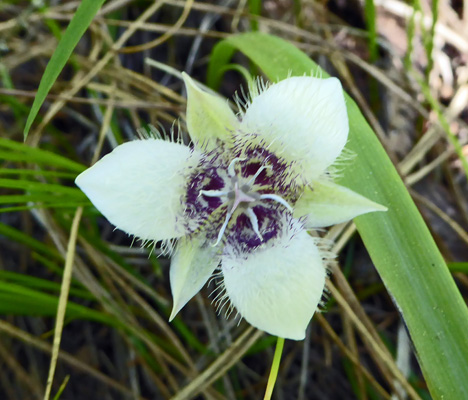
x=246, y=197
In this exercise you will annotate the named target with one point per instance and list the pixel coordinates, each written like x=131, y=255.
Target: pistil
x=242, y=195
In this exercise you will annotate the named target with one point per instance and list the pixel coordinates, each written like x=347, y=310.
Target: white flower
x=241, y=199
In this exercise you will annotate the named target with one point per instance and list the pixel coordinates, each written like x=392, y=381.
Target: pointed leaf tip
x=75, y=30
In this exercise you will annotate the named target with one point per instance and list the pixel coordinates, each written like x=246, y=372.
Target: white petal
x=302, y=119
x=208, y=116
x=328, y=204
x=139, y=187
x=191, y=266
x=277, y=288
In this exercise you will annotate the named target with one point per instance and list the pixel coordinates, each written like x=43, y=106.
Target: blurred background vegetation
x=405, y=64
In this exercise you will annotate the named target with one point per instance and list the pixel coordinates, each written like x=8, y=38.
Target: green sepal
x=209, y=117
x=325, y=203
x=192, y=265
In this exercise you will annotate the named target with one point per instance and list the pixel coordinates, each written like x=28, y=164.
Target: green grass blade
x=25, y=198
x=398, y=241
x=29, y=242
x=36, y=173
x=369, y=12
x=42, y=187
x=20, y=300
x=62, y=388
x=255, y=8
x=68, y=204
x=458, y=267
x=33, y=282
x=429, y=39
x=78, y=25
x=14, y=151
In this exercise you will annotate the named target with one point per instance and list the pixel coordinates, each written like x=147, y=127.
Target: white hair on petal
x=241, y=100
x=255, y=88
x=324, y=300
x=345, y=158
x=221, y=301
x=215, y=276
x=133, y=240
x=152, y=246
x=318, y=73
x=260, y=86
x=219, y=291
x=229, y=310
x=167, y=247
x=150, y=132
x=176, y=133
x=328, y=257
x=142, y=133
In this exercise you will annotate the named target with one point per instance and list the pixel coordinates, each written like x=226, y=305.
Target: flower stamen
x=276, y=198
x=252, y=180
x=231, y=167
x=212, y=193
x=254, y=221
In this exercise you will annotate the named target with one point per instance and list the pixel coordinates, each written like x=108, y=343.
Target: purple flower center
x=240, y=201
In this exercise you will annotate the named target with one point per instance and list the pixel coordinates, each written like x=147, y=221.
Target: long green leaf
x=78, y=25
x=398, y=241
x=36, y=172
x=20, y=300
x=15, y=151
x=28, y=241
x=42, y=187
x=33, y=282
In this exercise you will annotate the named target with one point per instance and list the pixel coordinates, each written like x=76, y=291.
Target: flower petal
x=302, y=119
x=191, y=266
x=208, y=116
x=138, y=187
x=328, y=204
x=277, y=288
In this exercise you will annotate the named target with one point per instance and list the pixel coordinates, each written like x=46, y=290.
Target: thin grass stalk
x=62, y=305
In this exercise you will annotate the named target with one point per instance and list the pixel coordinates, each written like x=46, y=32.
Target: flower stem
x=274, y=368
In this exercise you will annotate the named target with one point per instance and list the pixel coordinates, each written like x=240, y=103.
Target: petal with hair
x=139, y=186
x=277, y=288
x=303, y=120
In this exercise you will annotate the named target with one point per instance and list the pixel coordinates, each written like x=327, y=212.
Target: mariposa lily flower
x=241, y=199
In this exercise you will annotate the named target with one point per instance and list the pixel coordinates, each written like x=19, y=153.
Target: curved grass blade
x=398, y=241
x=78, y=25
x=14, y=151
x=18, y=299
